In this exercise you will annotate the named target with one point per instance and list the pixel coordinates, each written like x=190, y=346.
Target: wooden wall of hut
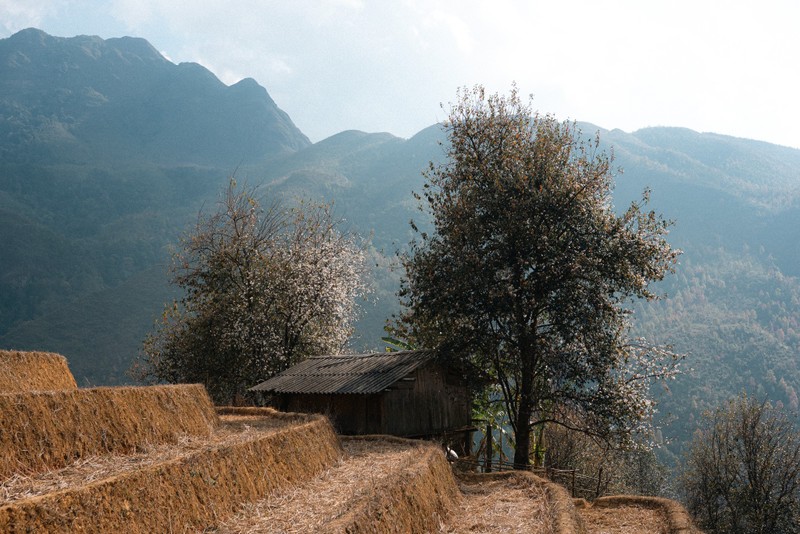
x=427, y=405
x=350, y=414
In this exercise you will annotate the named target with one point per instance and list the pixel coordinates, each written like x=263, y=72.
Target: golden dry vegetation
x=501, y=505
x=51, y=429
x=624, y=520
x=160, y=459
x=34, y=371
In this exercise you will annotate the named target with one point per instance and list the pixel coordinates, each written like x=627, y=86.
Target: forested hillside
x=109, y=150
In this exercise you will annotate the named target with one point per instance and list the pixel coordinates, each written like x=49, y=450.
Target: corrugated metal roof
x=350, y=373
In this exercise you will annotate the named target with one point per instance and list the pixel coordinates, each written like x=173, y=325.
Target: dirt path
x=623, y=520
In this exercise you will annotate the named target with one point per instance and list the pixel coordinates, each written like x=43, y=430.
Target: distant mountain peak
x=31, y=35
x=117, y=98
x=136, y=45
x=90, y=46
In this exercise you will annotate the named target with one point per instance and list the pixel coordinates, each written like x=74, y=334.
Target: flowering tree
x=264, y=288
x=525, y=279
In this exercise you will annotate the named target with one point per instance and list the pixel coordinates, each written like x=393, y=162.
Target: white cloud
x=134, y=14
x=20, y=14
x=454, y=26
x=350, y=4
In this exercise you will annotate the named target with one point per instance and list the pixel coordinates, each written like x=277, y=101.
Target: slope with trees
x=87, y=211
x=742, y=471
x=108, y=150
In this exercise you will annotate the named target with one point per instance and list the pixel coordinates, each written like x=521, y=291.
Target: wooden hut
x=405, y=393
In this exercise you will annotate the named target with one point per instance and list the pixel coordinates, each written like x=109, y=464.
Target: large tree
x=526, y=276
x=263, y=289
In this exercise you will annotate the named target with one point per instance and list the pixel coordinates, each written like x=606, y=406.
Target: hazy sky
x=730, y=67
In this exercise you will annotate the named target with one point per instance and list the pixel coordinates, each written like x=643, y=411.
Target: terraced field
x=163, y=459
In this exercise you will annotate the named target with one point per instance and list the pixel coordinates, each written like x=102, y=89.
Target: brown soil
x=624, y=520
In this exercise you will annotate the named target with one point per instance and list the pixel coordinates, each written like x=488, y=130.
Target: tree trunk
x=522, y=451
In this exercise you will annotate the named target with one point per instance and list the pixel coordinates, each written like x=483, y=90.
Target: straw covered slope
x=34, y=371
x=382, y=484
x=163, y=459
x=513, y=501
x=184, y=487
x=50, y=429
x=636, y=514
x=386, y=484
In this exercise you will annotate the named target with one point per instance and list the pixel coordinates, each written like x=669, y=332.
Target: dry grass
x=166, y=462
x=34, y=371
x=673, y=515
x=552, y=500
x=52, y=429
x=630, y=519
x=414, y=498
x=501, y=505
x=185, y=487
x=308, y=508
x=232, y=430
x=382, y=485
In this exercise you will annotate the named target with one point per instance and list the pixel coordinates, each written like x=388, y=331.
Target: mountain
x=733, y=305
x=109, y=151
x=84, y=99
x=722, y=190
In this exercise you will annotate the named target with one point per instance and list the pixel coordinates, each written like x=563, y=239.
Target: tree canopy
x=263, y=289
x=526, y=276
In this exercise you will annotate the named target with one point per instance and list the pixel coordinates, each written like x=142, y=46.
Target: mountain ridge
x=67, y=97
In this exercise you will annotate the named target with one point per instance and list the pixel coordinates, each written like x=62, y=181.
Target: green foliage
x=525, y=276
x=737, y=316
x=489, y=410
x=742, y=471
x=394, y=344
x=264, y=288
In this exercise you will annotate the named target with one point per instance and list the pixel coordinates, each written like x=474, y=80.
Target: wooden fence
x=580, y=485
